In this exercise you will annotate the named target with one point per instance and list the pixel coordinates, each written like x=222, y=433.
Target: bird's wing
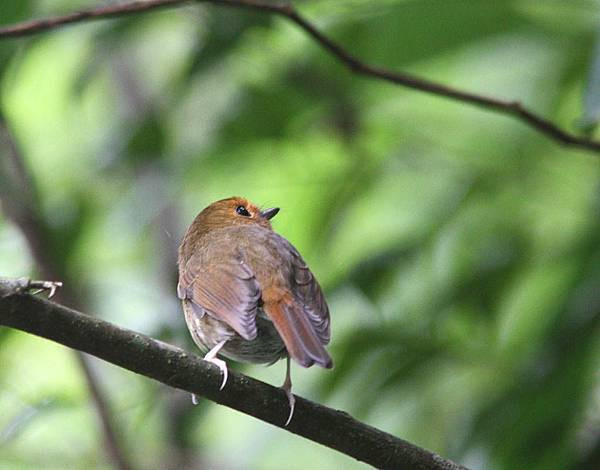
x=227, y=291
x=308, y=292
x=295, y=304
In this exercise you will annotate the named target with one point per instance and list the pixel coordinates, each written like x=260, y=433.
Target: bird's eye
x=241, y=210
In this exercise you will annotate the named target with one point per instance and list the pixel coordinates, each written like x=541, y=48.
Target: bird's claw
x=292, y=401
x=211, y=356
x=51, y=286
x=287, y=388
x=223, y=366
x=24, y=284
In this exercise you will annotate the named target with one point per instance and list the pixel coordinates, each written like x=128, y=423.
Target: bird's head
x=234, y=211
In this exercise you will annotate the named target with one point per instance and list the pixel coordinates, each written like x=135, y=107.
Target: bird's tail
x=298, y=333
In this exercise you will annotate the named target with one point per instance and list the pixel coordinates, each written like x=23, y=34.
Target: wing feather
x=228, y=291
x=309, y=293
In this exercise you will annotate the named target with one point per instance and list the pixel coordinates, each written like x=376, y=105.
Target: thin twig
x=510, y=108
x=174, y=367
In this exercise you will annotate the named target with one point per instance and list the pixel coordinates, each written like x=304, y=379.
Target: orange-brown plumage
x=246, y=291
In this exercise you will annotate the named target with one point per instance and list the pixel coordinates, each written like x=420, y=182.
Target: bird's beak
x=269, y=213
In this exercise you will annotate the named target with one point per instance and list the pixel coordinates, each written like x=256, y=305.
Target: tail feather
x=298, y=334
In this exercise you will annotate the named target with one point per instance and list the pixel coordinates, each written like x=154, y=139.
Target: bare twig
x=510, y=108
x=172, y=366
x=19, y=201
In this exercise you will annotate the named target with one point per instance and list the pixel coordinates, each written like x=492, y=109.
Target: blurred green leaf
x=458, y=249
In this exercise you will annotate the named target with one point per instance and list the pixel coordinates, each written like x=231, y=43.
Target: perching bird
x=247, y=293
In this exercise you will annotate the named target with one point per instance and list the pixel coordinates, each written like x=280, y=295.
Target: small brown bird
x=247, y=293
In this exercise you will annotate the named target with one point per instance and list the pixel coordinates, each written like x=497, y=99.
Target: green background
x=459, y=249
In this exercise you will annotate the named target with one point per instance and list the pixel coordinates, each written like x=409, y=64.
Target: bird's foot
x=211, y=356
x=221, y=364
x=291, y=400
x=287, y=388
x=24, y=284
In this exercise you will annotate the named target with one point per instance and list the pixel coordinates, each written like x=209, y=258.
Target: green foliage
x=459, y=249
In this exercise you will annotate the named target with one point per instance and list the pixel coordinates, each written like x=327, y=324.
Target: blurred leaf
x=458, y=249
x=24, y=417
x=146, y=142
x=11, y=12
x=591, y=97
x=225, y=28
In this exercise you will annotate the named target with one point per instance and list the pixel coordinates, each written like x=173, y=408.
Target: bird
x=247, y=293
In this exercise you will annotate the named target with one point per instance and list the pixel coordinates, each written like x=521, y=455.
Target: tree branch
x=174, y=367
x=18, y=198
x=510, y=108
